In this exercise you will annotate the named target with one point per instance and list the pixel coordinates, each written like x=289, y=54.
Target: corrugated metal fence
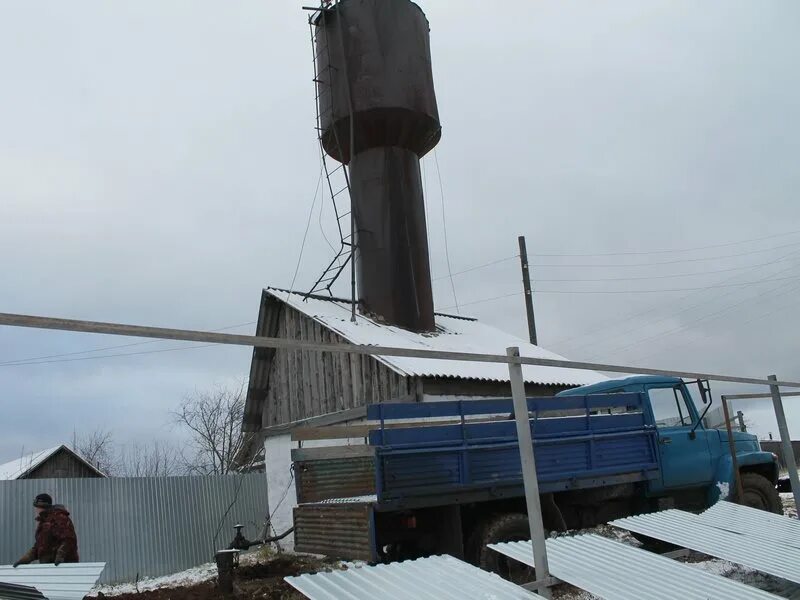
x=141, y=527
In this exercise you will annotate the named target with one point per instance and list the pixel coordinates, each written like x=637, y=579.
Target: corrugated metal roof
x=11, y=591
x=753, y=522
x=433, y=578
x=455, y=334
x=610, y=569
x=69, y=581
x=689, y=531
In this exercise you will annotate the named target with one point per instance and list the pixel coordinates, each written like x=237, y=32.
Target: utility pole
x=526, y=283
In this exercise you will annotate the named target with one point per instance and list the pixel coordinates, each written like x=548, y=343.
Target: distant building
x=55, y=463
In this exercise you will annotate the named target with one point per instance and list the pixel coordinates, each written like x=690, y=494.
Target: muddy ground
x=262, y=580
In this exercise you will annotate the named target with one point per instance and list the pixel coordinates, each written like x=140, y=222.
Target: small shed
x=54, y=463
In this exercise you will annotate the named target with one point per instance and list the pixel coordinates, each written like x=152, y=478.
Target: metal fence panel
x=141, y=527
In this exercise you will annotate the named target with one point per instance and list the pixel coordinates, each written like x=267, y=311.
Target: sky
x=158, y=166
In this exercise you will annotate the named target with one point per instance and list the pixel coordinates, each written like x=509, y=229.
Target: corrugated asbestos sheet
x=753, y=522
x=434, y=578
x=689, y=531
x=64, y=582
x=143, y=527
x=338, y=530
x=609, y=569
x=454, y=334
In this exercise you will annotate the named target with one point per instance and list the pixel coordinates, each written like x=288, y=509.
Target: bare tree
x=148, y=460
x=214, y=421
x=97, y=447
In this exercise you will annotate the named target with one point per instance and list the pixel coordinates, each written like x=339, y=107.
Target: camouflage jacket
x=55, y=538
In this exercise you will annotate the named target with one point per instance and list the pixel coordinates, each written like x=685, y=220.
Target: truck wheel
x=509, y=527
x=760, y=493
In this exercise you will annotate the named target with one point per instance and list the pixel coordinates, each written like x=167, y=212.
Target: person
x=56, y=541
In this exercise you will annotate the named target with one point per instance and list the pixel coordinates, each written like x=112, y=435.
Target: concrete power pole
x=526, y=282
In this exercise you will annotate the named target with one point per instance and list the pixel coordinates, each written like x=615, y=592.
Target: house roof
x=454, y=334
x=19, y=468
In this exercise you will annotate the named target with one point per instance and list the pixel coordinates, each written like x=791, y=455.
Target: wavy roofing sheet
x=455, y=334
x=753, y=522
x=68, y=581
x=433, y=578
x=689, y=531
x=613, y=570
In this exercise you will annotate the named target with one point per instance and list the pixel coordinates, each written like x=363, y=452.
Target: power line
x=708, y=287
x=677, y=275
x=679, y=250
x=485, y=300
x=476, y=268
x=700, y=319
x=667, y=262
x=37, y=360
x=444, y=228
x=305, y=233
x=657, y=306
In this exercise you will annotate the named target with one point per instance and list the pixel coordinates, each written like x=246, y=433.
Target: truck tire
x=508, y=527
x=760, y=493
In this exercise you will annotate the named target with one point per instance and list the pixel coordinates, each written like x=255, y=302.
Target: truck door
x=685, y=459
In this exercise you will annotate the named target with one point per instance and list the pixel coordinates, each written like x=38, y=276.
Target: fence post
x=529, y=477
x=786, y=441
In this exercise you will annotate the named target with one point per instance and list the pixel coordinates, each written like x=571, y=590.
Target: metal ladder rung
x=345, y=188
x=343, y=216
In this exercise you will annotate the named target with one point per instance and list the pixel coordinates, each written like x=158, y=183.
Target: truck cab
x=695, y=462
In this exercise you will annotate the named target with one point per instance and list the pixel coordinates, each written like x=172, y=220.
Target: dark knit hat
x=43, y=501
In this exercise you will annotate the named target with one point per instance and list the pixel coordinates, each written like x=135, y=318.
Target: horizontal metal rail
x=190, y=335
x=757, y=395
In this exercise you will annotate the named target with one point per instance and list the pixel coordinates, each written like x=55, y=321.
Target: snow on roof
x=454, y=334
x=20, y=467
x=17, y=468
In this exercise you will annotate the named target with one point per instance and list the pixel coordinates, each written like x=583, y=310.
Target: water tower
x=377, y=115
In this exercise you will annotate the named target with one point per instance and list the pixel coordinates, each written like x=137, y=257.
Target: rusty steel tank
x=374, y=63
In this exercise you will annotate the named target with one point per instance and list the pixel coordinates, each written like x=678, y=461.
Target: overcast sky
x=158, y=163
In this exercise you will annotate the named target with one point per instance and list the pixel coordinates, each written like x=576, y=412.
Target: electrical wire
x=666, y=262
x=675, y=250
x=37, y=360
x=444, y=228
x=478, y=267
x=677, y=275
x=305, y=233
x=654, y=308
x=701, y=319
x=484, y=300
x=708, y=287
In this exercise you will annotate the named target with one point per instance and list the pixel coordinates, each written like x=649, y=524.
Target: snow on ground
x=185, y=578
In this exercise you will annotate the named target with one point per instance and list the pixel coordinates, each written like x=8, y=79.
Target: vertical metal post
x=529, y=477
x=740, y=417
x=737, y=480
x=526, y=285
x=786, y=441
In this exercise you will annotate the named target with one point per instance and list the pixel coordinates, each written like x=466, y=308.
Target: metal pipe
x=190, y=335
x=529, y=477
x=732, y=448
x=786, y=441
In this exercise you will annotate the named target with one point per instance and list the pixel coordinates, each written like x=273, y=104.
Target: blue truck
x=445, y=477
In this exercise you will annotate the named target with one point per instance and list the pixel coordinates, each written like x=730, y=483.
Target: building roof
x=454, y=334
x=19, y=468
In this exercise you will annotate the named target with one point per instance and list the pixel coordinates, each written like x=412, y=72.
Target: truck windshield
x=669, y=407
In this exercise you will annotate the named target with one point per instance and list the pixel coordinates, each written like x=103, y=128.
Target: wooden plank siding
x=61, y=465
x=304, y=384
